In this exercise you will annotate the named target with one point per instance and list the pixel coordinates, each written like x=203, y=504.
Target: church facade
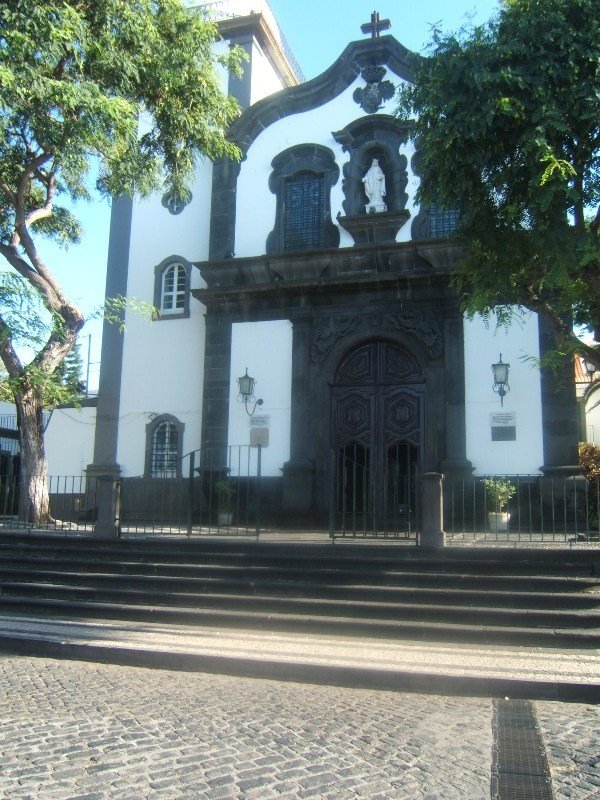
x=310, y=265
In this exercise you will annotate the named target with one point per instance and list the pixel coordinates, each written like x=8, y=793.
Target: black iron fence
x=222, y=492
x=218, y=492
x=72, y=499
x=523, y=508
x=213, y=491
x=374, y=501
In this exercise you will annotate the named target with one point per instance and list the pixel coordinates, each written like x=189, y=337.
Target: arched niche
x=376, y=136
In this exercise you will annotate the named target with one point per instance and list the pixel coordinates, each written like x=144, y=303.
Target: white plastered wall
x=519, y=344
x=310, y=127
x=163, y=361
x=265, y=79
x=592, y=414
x=265, y=348
x=69, y=441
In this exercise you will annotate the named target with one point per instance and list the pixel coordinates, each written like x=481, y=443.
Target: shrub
x=225, y=493
x=589, y=458
x=499, y=491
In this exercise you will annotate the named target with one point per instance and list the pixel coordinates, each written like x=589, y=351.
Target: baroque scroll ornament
x=372, y=97
x=424, y=326
x=328, y=331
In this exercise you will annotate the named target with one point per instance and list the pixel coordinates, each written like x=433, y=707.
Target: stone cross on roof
x=376, y=25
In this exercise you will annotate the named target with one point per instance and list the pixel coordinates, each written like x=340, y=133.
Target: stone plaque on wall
x=259, y=436
x=259, y=430
x=503, y=426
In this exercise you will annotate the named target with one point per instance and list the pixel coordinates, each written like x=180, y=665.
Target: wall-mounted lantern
x=246, y=386
x=500, y=385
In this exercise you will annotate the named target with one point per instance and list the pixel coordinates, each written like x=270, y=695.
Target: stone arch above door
x=378, y=385
x=418, y=325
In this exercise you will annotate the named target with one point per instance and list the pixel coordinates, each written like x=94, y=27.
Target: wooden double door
x=377, y=432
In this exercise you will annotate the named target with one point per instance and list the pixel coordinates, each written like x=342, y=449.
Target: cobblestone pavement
x=572, y=736
x=79, y=731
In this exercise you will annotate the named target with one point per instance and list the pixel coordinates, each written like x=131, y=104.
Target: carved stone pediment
x=421, y=323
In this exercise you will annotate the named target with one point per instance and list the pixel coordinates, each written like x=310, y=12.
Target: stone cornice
x=257, y=26
x=327, y=270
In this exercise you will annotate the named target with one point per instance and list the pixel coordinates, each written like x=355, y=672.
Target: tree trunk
x=34, y=500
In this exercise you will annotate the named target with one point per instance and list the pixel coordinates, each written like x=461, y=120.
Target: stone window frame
x=151, y=429
x=311, y=158
x=160, y=271
x=421, y=228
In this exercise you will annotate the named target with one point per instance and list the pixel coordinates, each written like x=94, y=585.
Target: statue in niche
x=374, y=183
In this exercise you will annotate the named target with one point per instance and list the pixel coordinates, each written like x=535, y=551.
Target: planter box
x=498, y=521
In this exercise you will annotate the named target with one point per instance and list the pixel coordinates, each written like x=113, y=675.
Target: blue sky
x=317, y=31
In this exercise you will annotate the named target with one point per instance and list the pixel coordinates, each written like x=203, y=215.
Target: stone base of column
x=432, y=539
x=432, y=532
x=104, y=482
x=457, y=470
x=298, y=478
x=567, y=471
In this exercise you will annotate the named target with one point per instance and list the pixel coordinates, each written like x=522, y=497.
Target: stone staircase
x=487, y=595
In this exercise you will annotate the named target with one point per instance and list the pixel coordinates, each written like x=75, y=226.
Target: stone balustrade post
x=432, y=533
x=104, y=488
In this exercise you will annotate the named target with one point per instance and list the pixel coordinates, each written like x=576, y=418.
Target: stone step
x=396, y=590
x=85, y=559
x=424, y=630
x=484, y=561
x=335, y=574
x=403, y=665
x=582, y=595
x=311, y=607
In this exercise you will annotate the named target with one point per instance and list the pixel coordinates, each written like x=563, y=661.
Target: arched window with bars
x=164, y=440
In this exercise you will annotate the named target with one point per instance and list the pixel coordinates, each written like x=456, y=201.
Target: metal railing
x=218, y=492
x=541, y=509
x=368, y=501
x=222, y=492
x=73, y=505
x=214, y=491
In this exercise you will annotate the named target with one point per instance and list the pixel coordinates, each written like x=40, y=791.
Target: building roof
x=231, y=15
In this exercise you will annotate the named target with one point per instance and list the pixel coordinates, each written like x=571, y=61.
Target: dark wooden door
x=377, y=420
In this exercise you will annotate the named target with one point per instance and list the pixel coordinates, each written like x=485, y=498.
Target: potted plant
x=225, y=494
x=499, y=491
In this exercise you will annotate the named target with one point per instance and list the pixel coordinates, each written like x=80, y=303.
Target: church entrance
x=377, y=421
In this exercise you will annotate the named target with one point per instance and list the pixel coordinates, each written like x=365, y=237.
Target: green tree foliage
x=70, y=373
x=132, y=84
x=508, y=131
x=589, y=458
x=499, y=491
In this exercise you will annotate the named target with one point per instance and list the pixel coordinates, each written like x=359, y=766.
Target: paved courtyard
x=79, y=731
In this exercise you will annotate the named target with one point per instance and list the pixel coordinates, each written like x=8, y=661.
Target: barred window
x=164, y=442
x=174, y=290
x=442, y=222
x=304, y=212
